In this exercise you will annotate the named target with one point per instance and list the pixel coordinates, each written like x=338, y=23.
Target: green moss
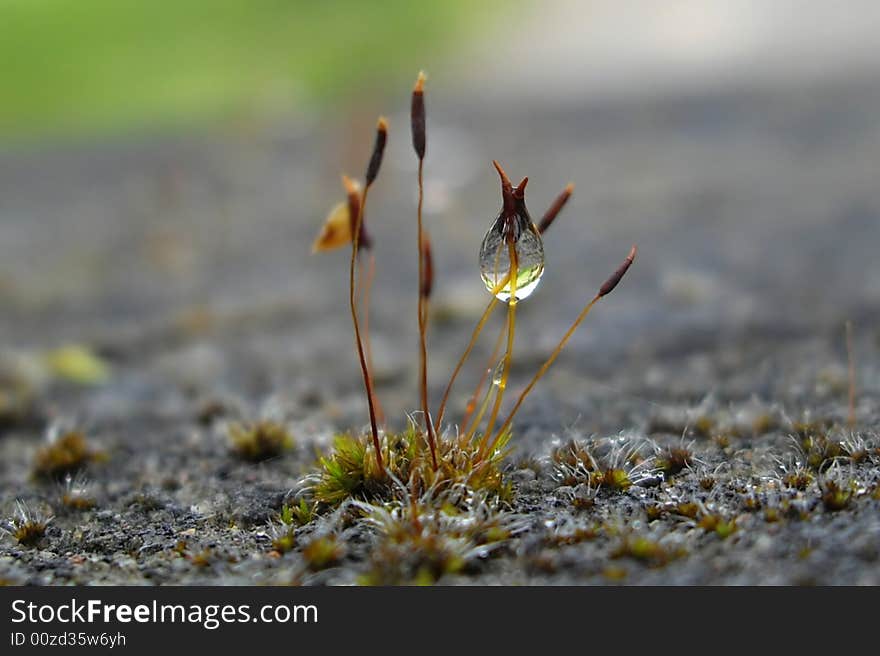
x=602, y=464
x=284, y=541
x=350, y=470
x=645, y=550
x=323, y=552
x=713, y=523
x=300, y=513
x=421, y=540
x=836, y=496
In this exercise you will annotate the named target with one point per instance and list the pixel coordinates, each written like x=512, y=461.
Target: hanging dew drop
x=495, y=259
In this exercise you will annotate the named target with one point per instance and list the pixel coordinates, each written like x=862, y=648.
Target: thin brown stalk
x=372, y=172
x=417, y=118
x=474, y=336
x=604, y=290
x=508, y=353
x=472, y=402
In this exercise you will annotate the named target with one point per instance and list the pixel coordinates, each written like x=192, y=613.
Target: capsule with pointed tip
x=512, y=227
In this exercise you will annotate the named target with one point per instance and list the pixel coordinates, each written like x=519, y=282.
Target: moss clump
x=835, y=495
x=75, y=494
x=283, y=538
x=323, y=552
x=645, y=550
x=611, y=464
x=350, y=469
x=654, y=512
x=66, y=455
x=421, y=540
x=687, y=509
x=798, y=479
x=703, y=426
x=26, y=526
x=258, y=442
x=712, y=523
x=297, y=513
x=673, y=460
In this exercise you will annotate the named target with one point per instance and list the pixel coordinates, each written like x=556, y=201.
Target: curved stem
x=507, y=422
x=472, y=402
x=477, y=330
x=423, y=349
x=511, y=325
x=368, y=381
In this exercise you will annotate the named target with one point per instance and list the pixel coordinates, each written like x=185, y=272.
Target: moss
x=714, y=523
x=76, y=494
x=258, y=442
x=673, y=460
x=421, y=540
x=645, y=550
x=576, y=536
x=608, y=464
x=654, y=512
x=284, y=541
x=703, y=426
x=764, y=423
x=799, y=479
x=26, y=526
x=836, y=496
x=350, y=469
x=687, y=509
x=722, y=440
x=77, y=502
x=66, y=455
x=323, y=552
x=298, y=513
x=614, y=573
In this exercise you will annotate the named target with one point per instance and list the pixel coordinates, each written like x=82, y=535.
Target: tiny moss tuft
x=260, y=441
x=836, y=496
x=350, y=470
x=323, y=552
x=673, y=460
x=26, y=526
x=67, y=454
x=713, y=523
x=645, y=550
x=606, y=464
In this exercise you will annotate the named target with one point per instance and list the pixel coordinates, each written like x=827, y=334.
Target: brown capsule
x=615, y=278
x=552, y=211
x=427, y=282
x=417, y=116
x=378, y=151
x=353, y=193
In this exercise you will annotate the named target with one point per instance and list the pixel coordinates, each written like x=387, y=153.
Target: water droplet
x=498, y=374
x=495, y=257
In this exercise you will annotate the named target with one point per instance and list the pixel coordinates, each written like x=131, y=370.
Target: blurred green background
x=83, y=67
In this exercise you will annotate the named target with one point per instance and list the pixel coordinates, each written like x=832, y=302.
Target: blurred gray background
x=160, y=186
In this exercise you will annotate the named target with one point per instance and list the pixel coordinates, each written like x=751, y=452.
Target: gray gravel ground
x=185, y=264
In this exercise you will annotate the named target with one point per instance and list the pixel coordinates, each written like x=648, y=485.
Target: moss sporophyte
x=432, y=455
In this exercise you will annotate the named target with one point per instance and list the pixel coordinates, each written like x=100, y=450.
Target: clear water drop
x=495, y=258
